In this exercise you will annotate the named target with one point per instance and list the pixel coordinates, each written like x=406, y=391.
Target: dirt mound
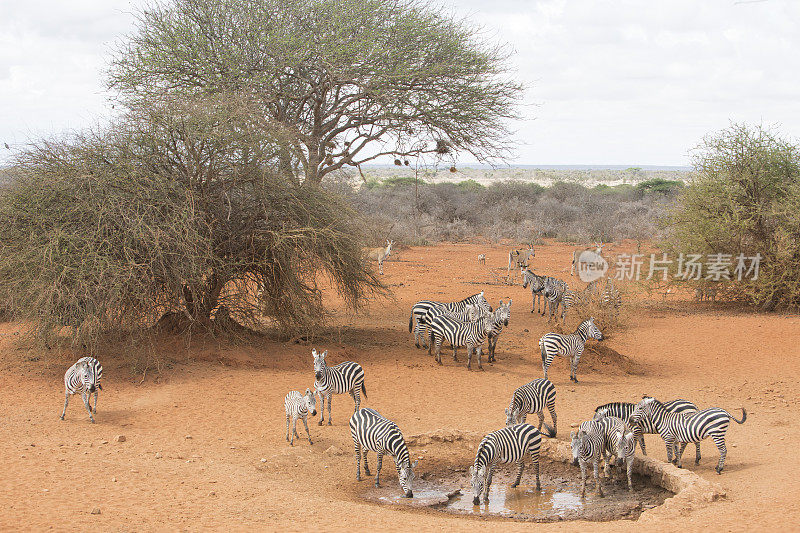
x=602, y=358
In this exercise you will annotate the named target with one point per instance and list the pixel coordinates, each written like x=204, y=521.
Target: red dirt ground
x=197, y=432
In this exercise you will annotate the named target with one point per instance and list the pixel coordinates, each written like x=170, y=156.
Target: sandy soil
x=205, y=446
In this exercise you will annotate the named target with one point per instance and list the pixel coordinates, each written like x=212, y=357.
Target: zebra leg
x=552, y=409
x=321, y=410
x=583, y=478
x=719, y=440
x=640, y=438
x=629, y=472
x=697, y=453
x=330, y=401
x=670, y=443
x=478, y=354
x=294, y=429
x=488, y=484
x=520, y=467
x=378, y=471
x=358, y=461
x=305, y=423
x=366, y=467
x=95, y=402
x=455, y=353
x=680, y=453
x=87, y=404
x=541, y=419
x=535, y=457
x=287, y=428
x=573, y=367
x=598, y=484
x=356, y=394
x=66, y=401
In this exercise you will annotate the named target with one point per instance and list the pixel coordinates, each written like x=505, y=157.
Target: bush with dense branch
x=746, y=200
x=176, y=209
x=341, y=81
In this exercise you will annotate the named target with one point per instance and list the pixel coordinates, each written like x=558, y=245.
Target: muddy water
x=507, y=501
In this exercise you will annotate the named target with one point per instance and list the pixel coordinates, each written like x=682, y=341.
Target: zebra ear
x=324, y=354
x=308, y=391
x=314, y=352
x=472, y=470
x=509, y=301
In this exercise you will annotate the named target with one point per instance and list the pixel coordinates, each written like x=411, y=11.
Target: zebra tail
x=744, y=417
x=544, y=355
x=549, y=432
x=364, y=389
x=411, y=322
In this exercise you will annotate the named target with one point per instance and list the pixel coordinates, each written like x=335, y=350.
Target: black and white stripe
x=588, y=445
x=508, y=445
x=373, y=432
x=459, y=333
x=611, y=297
x=423, y=310
x=680, y=428
x=619, y=441
x=329, y=380
x=84, y=377
x=624, y=410
x=553, y=292
x=533, y=398
x=572, y=345
x=503, y=317
x=536, y=283
x=298, y=406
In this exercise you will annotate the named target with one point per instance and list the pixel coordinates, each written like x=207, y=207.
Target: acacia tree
x=339, y=82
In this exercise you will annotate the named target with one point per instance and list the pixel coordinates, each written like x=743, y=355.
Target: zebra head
x=405, y=474
x=319, y=363
x=512, y=415
x=478, y=474
x=89, y=377
x=503, y=313
x=627, y=446
x=643, y=411
x=593, y=331
x=311, y=402
x=600, y=414
x=482, y=303
x=578, y=444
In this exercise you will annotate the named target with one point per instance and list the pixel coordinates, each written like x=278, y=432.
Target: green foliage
x=660, y=185
x=470, y=185
x=745, y=199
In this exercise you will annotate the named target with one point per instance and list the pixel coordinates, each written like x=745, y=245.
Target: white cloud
x=623, y=82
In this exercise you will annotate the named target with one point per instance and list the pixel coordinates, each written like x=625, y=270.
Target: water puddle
x=507, y=501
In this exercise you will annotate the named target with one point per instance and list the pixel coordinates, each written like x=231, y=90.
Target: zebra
x=611, y=296
x=532, y=398
x=588, y=444
x=344, y=377
x=618, y=440
x=683, y=428
x=422, y=310
x=624, y=410
x=84, y=377
x=553, y=292
x=503, y=315
x=373, y=432
x=537, y=287
x=380, y=254
x=576, y=254
x=460, y=333
x=297, y=406
x=552, y=344
x=507, y=445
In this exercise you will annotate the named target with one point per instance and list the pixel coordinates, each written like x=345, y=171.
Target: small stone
x=120, y=438
x=333, y=450
x=96, y=510
x=767, y=444
x=103, y=442
x=263, y=460
x=113, y=480
x=212, y=493
x=45, y=490
x=158, y=455
x=188, y=436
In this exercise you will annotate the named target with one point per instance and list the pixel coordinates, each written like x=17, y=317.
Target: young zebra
x=507, y=445
x=329, y=380
x=619, y=441
x=624, y=410
x=552, y=344
x=553, y=292
x=482, y=259
x=681, y=428
x=84, y=377
x=373, y=432
x=537, y=287
x=297, y=406
x=532, y=398
x=611, y=296
x=588, y=444
x=459, y=333
x=503, y=317
x=424, y=309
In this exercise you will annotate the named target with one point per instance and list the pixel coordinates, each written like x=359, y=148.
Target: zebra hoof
x=330, y=423
x=514, y=485
x=310, y=443
x=377, y=485
x=319, y=423
x=358, y=478
x=61, y=417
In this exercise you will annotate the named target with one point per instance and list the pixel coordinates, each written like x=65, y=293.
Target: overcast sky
x=609, y=82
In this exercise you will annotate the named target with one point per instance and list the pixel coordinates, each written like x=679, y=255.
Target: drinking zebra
x=297, y=406
x=678, y=428
x=503, y=317
x=624, y=410
x=424, y=309
x=619, y=441
x=373, y=432
x=84, y=377
x=588, y=445
x=329, y=380
x=532, y=398
x=460, y=333
x=537, y=287
x=507, y=445
x=572, y=345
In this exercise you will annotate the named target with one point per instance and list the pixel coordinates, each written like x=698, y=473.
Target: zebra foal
x=329, y=380
x=83, y=377
x=507, y=445
x=572, y=345
x=678, y=428
x=298, y=406
x=588, y=445
x=373, y=432
x=533, y=398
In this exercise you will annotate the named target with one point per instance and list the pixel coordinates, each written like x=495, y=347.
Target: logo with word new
x=591, y=266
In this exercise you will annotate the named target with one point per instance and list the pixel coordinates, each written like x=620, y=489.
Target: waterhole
x=559, y=498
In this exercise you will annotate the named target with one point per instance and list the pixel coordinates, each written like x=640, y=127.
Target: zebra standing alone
x=373, y=432
x=537, y=287
x=532, y=398
x=84, y=377
x=503, y=317
x=553, y=292
x=680, y=428
x=297, y=406
x=459, y=333
x=624, y=410
x=344, y=377
x=507, y=445
x=552, y=344
x=423, y=310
